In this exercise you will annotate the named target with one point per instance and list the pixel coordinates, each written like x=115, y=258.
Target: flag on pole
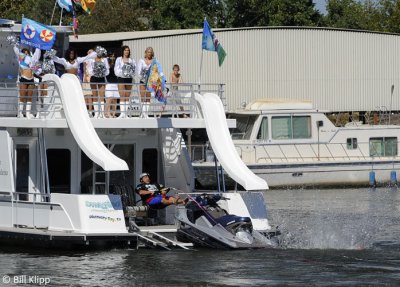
x=37, y=35
x=155, y=82
x=211, y=43
x=87, y=5
x=65, y=4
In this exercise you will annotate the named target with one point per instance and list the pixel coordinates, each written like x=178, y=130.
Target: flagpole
x=201, y=65
x=62, y=9
x=202, y=51
x=54, y=10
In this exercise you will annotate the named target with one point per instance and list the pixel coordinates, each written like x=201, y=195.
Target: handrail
x=362, y=152
x=46, y=100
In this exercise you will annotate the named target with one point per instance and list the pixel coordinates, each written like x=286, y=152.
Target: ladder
x=105, y=182
x=97, y=171
x=154, y=239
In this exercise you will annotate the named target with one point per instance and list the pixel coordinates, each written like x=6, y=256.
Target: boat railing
x=24, y=211
x=106, y=100
x=301, y=152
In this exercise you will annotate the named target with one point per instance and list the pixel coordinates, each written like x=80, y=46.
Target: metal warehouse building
x=338, y=70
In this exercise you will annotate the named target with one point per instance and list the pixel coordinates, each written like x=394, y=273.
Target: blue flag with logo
x=37, y=35
x=211, y=43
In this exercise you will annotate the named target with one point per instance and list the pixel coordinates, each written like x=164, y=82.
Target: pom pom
x=99, y=70
x=48, y=67
x=12, y=40
x=143, y=74
x=50, y=54
x=128, y=70
x=101, y=52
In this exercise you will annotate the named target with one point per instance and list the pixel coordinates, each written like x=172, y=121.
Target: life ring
x=29, y=31
x=46, y=35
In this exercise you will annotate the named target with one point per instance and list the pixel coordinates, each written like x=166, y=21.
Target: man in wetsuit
x=154, y=194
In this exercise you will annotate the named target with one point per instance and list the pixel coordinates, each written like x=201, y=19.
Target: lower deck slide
x=223, y=147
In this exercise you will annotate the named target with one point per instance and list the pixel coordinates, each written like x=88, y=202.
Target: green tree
x=253, y=13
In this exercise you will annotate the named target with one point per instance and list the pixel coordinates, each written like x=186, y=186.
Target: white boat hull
x=309, y=174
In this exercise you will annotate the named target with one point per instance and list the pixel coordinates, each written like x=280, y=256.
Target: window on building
x=291, y=127
x=383, y=146
x=263, y=131
x=351, y=143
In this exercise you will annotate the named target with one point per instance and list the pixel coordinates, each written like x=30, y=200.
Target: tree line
x=143, y=15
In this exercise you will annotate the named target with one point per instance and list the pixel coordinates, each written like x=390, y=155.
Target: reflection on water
x=330, y=237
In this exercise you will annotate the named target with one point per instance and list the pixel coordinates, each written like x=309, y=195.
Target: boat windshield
x=244, y=126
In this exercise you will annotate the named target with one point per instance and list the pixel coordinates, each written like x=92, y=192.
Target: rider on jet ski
x=155, y=194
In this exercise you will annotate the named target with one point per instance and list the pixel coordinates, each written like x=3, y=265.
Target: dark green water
x=344, y=237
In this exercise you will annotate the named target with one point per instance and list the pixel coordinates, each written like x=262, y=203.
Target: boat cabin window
x=244, y=126
x=291, y=127
x=22, y=169
x=59, y=167
x=263, y=131
x=351, y=143
x=383, y=146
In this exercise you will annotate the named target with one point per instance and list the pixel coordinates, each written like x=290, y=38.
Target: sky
x=320, y=5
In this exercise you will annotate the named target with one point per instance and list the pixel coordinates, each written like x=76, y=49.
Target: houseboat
x=291, y=144
x=63, y=173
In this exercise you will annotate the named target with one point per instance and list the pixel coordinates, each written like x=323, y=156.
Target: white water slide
x=221, y=142
x=80, y=125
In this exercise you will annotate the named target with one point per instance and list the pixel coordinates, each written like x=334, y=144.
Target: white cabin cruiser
x=291, y=144
x=62, y=173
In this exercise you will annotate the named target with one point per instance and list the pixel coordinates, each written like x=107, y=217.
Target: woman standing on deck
x=111, y=89
x=26, y=79
x=98, y=69
x=143, y=68
x=125, y=71
x=71, y=62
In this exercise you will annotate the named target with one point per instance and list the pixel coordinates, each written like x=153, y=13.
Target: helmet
x=143, y=175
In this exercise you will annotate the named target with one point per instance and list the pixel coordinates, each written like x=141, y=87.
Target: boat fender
x=393, y=177
x=372, y=180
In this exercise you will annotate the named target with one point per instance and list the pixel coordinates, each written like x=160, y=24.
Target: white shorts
x=112, y=91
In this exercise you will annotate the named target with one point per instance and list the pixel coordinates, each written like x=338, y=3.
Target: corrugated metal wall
x=337, y=70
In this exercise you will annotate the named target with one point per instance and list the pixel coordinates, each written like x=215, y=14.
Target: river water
x=330, y=237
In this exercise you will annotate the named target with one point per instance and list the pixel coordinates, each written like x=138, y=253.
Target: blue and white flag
x=211, y=43
x=65, y=4
x=37, y=35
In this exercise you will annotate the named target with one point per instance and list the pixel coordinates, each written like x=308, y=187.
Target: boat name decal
x=104, y=205
x=106, y=218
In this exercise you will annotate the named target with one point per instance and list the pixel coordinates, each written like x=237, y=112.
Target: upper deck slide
x=80, y=125
x=221, y=142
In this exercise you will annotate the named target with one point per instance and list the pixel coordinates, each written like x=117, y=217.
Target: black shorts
x=125, y=80
x=97, y=80
x=26, y=81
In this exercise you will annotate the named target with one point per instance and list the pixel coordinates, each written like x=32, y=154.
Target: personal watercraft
x=203, y=222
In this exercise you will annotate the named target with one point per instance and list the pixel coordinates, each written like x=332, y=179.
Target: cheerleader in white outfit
x=71, y=63
x=125, y=71
x=26, y=80
x=98, y=69
x=112, y=93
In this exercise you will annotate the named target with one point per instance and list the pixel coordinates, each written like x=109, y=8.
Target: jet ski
x=203, y=222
